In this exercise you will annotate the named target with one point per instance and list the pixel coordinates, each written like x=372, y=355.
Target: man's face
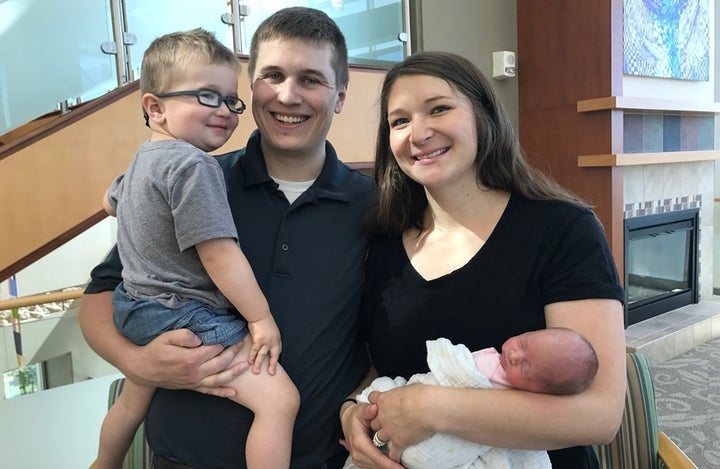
x=294, y=96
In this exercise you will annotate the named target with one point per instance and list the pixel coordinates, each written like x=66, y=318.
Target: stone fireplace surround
x=668, y=179
x=666, y=187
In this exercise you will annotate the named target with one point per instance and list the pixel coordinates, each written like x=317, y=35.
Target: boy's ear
x=153, y=107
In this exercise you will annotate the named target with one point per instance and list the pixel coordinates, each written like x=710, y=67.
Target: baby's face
x=524, y=361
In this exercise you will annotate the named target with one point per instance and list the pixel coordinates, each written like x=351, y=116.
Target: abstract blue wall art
x=667, y=39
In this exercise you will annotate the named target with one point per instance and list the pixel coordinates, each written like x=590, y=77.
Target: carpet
x=687, y=390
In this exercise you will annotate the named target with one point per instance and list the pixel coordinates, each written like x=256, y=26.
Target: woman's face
x=432, y=131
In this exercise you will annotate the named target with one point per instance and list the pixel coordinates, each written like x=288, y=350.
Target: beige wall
x=475, y=29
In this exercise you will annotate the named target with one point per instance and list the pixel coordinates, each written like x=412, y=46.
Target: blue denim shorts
x=141, y=320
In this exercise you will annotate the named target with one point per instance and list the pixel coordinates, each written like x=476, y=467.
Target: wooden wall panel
x=570, y=51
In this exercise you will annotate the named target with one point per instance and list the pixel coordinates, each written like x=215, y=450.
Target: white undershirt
x=293, y=189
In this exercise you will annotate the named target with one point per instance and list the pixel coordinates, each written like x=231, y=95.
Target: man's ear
x=153, y=107
x=342, y=94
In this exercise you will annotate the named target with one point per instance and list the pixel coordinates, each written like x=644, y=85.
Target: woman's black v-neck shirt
x=540, y=252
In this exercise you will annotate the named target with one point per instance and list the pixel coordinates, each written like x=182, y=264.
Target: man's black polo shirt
x=307, y=258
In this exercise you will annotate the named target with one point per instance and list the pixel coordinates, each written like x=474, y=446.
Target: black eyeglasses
x=210, y=98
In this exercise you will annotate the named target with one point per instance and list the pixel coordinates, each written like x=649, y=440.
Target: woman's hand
x=355, y=420
x=399, y=417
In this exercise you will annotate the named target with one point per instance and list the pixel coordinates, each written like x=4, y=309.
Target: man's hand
x=178, y=360
x=173, y=360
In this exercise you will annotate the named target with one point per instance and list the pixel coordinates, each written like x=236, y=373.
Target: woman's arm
x=520, y=419
x=173, y=360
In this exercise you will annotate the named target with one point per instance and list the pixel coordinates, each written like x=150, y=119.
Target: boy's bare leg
x=275, y=401
x=121, y=423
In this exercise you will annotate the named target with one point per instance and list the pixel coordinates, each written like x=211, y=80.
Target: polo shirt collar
x=253, y=163
x=330, y=183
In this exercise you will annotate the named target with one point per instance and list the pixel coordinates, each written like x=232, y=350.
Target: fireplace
x=661, y=263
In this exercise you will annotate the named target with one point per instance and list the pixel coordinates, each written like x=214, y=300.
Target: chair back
x=636, y=443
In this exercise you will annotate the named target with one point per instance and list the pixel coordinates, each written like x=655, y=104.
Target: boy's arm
x=229, y=269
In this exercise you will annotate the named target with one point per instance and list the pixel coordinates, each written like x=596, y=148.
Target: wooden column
x=568, y=52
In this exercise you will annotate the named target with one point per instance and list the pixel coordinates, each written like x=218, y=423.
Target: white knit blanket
x=453, y=365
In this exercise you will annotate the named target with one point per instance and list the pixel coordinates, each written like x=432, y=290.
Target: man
x=299, y=214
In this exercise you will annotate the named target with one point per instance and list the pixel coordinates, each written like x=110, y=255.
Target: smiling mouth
x=285, y=119
x=426, y=156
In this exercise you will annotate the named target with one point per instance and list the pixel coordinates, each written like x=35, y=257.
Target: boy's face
x=184, y=118
x=294, y=96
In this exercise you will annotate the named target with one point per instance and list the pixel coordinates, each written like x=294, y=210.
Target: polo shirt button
x=284, y=247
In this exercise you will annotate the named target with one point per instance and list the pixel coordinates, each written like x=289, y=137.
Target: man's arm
x=174, y=359
x=107, y=206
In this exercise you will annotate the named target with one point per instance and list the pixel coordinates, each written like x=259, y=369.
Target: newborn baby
x=529, y=361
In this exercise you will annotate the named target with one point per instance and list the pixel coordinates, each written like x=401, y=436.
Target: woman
x=476, y=246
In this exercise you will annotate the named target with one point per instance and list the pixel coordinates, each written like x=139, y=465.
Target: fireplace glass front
x=661, y=263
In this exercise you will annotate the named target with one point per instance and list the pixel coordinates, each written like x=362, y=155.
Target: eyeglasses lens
x=214, y=99
x=209, y=98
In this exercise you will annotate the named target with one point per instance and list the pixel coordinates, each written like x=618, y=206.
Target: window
x=24, y=380
x=373, y=29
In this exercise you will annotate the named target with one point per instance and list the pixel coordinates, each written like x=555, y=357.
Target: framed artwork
x=667, y=39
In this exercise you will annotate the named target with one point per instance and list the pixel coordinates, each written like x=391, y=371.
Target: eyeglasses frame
x=196, y=93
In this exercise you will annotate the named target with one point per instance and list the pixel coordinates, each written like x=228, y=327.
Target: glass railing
x=55, y=54
x=147, y=20
x=374, y=29
x=49, y=53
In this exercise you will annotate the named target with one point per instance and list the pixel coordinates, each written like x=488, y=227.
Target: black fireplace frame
x=686, y=218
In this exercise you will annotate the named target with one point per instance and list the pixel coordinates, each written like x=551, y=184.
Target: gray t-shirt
x=172, y=197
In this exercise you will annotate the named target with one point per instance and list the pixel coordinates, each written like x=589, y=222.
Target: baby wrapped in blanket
x=529, y=361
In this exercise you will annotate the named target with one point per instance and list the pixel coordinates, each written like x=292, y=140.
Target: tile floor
x=670, y=334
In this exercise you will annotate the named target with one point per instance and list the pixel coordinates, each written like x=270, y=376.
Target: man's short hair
x=308, y=25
